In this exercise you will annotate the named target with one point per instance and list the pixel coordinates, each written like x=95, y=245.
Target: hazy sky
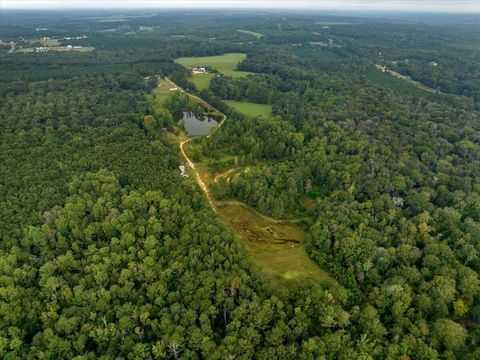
x=343, y=5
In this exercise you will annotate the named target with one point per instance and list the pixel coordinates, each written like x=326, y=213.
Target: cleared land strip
x=275, y=245
x=403, y=77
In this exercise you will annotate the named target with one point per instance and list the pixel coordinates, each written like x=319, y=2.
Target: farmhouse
x=199, y=70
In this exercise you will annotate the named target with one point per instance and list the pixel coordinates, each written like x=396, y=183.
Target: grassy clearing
x=201, y=81
x=390, y=82
x=45, y=42
x=225, y=64
x=250, y=109
x=405, y=78
x=161, y=93
x=253, y=33
x=276, y=247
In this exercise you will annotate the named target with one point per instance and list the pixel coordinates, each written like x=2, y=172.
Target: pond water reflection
x=197, y=125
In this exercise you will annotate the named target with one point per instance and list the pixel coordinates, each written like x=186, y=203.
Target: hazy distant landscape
x=239, y=183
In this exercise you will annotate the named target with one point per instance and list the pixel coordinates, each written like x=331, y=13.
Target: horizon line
x=262, y=9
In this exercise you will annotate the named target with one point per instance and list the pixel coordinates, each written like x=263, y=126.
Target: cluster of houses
x=65, y=37
x=74, y=38
x=57, y=48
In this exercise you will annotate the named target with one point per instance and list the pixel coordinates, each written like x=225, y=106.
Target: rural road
x=190, y=163
x=198, y=178
x=225, y=174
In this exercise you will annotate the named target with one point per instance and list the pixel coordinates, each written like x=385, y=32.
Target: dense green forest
x=107, y=252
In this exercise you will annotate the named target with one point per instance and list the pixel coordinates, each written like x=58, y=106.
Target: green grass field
x=225, y=64
x=160, y=93
x=250, y=109
x=45, y=42
x=277, y=248
x=253, y=33
x=201, y=81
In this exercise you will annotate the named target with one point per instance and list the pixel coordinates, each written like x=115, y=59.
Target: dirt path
x=278, y=245
x=199, y=179
x=405, y=78
x=224, y=174
x=190, y=163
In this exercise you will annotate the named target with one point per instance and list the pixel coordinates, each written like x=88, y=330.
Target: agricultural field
x=225, y=64
x=250, y=109
x=45, y=42
x=253, y=33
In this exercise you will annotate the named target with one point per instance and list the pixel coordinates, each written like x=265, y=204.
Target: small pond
x=197, y=125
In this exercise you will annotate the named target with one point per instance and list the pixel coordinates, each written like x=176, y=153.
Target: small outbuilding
x=199, y=70
x=182, y=171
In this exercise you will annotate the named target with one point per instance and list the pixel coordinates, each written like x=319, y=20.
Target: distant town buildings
x=74, y=38
x=57, y=48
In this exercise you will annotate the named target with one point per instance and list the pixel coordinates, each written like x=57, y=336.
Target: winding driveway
x=190, y=163
x=199, y=179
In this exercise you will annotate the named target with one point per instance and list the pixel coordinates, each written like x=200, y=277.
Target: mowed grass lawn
x=201, y=81
x=250, y=109
x=225, y=64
